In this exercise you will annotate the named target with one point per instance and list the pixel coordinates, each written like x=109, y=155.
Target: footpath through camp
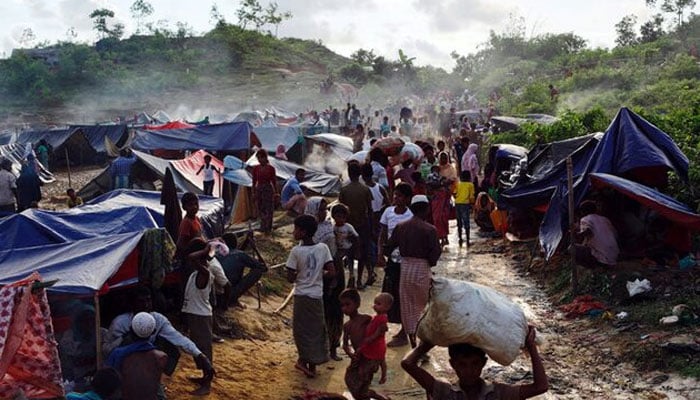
x=585, y=358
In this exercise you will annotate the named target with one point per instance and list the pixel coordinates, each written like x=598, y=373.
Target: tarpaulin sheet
x=189, y=166
x=169, y=125
x=541, y=185
x=54, y=137
x=510, y=151
x=665, y=205
x=630, y=143
x=229, y=136
x=35, y=227
x=271, y=137
x=319, y=182
x=235, y=171
x=15, y=153
x=341, y=145
x=96, y=134
x=80, y=267
x=543, y=158
x=211, y=209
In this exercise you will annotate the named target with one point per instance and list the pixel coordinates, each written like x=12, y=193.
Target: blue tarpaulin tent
x=631, y=148
x=86, y=245
x=228, y=136
x=96, y=134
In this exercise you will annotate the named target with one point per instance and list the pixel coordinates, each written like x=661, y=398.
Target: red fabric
x=582, y=305
x=375, y=350
x=189, y=166
x=29, y=354
x=169, y=125
x=128, y=270
x=440, y=206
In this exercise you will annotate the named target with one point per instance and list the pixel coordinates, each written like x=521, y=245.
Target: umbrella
x=168, y=198
x=391, y=146
x=411, y=151
x=360, y=156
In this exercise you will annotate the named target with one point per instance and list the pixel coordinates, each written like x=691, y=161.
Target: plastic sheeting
x=665, y=205
x=80, y=267
x=341, y=145
x=631, y=144
x=96, y=135
x=319, y=182
x=228, y=136
x=271, y=137
x=15, y=153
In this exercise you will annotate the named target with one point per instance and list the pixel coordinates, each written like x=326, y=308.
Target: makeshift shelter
x=227, y=136
x=271, y=137
x=631, y=148
x=341, y=146
x=169, y=125
x=29, y=361
x=16, y=154
x=546, y=168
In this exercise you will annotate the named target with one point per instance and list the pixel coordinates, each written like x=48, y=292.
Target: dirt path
x=579, y=359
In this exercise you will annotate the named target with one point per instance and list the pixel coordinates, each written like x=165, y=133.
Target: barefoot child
x=468, y=362
x=307, y=265
x=346, y=239
x=363, y=336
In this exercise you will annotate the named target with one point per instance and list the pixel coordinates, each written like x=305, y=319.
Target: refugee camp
x=305, y=200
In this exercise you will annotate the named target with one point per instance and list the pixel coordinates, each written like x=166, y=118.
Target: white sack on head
x=466, y=312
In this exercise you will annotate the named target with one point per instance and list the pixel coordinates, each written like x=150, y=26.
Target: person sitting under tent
x=164, y=337
x=292, y=197
x=596, y=238
x=234, y=265
x=120, y=170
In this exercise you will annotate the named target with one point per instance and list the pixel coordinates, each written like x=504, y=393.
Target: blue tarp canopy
x=96, y=134
x=632, y=148
x=85, y=246
x=228, y=136
x=54, y=137
x=546, y=169
x=15, y=153
x=510, y=151
x=81, y=267
x=666, y=206
x=319, y=182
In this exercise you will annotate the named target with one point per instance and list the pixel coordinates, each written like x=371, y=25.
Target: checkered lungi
x=414, y=287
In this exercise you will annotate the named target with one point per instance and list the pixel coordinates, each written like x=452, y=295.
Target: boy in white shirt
x=346, y=239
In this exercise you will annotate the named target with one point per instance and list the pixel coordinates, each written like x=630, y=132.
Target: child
x=73, y=200
x=307, y=265
x=468, y=362
x=434, y=180
x=358, y=376
x=464, y=199
x=380, y=199
x=190, y=227
x=374, y=345
x=208, y=175
x=346, y=238
x=105, y=383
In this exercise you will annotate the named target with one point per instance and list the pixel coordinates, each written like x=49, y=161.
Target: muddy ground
x=585, y=358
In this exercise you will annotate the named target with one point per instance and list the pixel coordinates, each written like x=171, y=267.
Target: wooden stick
x=98, y=332
x=70, y=184
x=570, y=186
x=285, y=302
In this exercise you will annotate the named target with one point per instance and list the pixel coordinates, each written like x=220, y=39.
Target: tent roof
x=96, y=134
x=319, y=182
x=15, y=153
x=227, y=136
x=665, y=205
x=169, y=125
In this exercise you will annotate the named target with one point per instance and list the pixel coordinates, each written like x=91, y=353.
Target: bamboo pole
x=70, y=183
x=570, y=196
x=98, y=332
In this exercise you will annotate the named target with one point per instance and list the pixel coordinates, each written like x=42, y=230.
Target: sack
x=466, y=312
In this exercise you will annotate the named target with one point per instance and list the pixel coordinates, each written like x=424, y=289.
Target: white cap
x=419, y=198
x=143, y=324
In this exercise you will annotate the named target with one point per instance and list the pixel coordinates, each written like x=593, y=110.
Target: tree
x=140, y=10
x=652, y=30
x=676, y=7
x=216, y=16
x=250, y=12
x=99, y=21
x=272, y=17
x=625, y=31
x=363, y=57
x=28, y=37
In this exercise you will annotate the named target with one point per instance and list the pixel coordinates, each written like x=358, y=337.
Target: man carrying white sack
x=468, y=361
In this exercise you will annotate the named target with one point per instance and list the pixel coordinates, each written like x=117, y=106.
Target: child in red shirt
x=370, y=356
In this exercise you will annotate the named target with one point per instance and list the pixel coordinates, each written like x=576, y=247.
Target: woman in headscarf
x=28, y=186
x=440, y=200
x=470, y=162
x=332, y=287
x=264, y=190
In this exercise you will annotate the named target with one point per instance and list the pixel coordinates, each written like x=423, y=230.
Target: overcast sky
x=427, y=29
